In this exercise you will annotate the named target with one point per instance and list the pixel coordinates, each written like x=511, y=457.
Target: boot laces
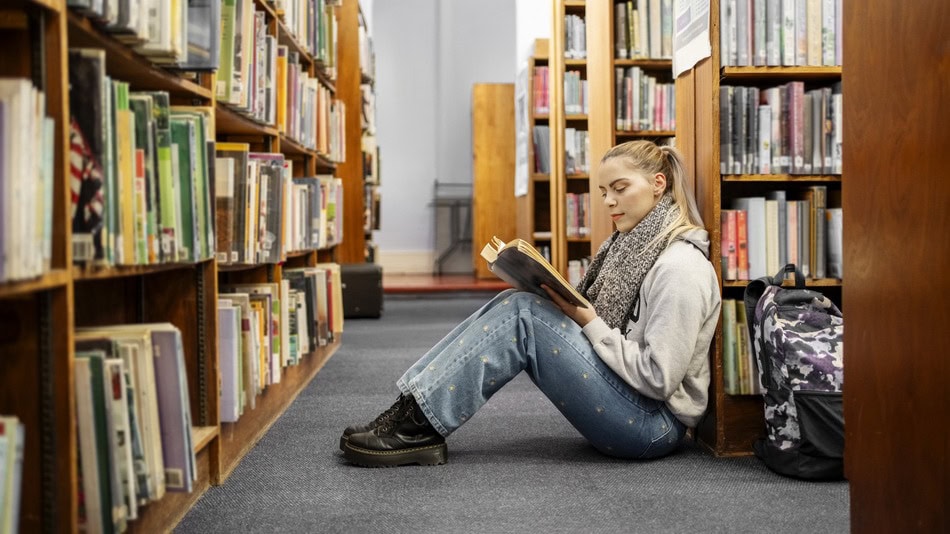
x=392, y=411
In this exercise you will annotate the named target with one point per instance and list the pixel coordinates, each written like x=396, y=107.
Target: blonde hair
x=650, y=158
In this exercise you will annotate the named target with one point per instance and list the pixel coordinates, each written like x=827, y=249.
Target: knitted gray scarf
x=613, y=279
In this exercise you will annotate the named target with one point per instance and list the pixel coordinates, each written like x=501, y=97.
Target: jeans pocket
x=664, y=435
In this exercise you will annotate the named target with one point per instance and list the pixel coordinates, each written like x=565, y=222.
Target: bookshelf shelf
x=229, y=121
x=580, y=176
x=124, y=64
x=643, y=63
x=56, y=6
x=51, y=280
x=811, y=282
x=202, y=436
x=834, y=178
x=540, y=177
x=575, y=63
x=285, y=37
x=81, y=274
x=292, y=148
x=320, y=71
x=575, y=117
x=735, y=74
x=324, y=163
x=638, y=134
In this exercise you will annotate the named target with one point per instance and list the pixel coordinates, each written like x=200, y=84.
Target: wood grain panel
x=494, y=210
x=896, y=111
x=352, y=249
x=601, y=121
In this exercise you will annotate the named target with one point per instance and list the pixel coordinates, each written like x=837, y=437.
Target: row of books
x=262, y=212
x=269, y=83
x=372, y=202
x=780, y=130
x=133, y=420
x=140, y=173
x=367, y=53
x=643, y=102
x=578, y=214
x=575, y=37
x=576, y=94
x=577, y=151
x=643, y=29
x=306, y=110
x=780, y=32
x=368, y=111
x=12, y=441
x=144, y=174
x=739, y=368
x=541, y=138
x=759, y=235
x=539, y=87
x=265, y=328
x=26, y=181
x=311, y=23
x=175, y=33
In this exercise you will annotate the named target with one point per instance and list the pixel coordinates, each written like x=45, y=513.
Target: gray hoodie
x=665, y=354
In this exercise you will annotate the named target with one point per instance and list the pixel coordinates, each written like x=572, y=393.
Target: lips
x=616, y=216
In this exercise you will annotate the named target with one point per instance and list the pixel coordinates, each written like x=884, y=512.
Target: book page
x=522, y=266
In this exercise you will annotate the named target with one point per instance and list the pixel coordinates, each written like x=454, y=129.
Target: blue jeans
x=518, y=331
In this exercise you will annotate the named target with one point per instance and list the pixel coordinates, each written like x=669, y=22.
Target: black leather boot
x=406, y=437
x=356, y=429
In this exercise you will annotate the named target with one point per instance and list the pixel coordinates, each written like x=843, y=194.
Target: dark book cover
x=87, y=151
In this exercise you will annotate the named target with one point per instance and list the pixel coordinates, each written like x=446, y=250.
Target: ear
x=659, y=184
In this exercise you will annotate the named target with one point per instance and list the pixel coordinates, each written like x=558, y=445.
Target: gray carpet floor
x=516, y=466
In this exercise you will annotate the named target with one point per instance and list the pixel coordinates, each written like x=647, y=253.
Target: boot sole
x=429, y=455
x=343, y=441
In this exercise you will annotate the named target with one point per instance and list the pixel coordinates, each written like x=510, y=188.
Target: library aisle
x=516, y=466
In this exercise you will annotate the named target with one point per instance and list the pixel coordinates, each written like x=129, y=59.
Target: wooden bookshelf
x=734, y=422
x=39, y=316
x=602, y=64
x=563, y=250
x=353, y=249
x=533, y=221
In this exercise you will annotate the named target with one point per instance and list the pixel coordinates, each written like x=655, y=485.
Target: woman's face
x=628, y=193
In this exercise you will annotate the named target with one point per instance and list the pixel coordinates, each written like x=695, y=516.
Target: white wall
x=429, y=53
x=533, y=20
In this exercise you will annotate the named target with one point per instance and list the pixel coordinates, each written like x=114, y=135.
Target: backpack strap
x=789, y=268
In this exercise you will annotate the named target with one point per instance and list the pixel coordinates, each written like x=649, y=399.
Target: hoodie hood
x=697, y=237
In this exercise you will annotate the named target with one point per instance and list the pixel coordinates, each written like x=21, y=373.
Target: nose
x=609, y=200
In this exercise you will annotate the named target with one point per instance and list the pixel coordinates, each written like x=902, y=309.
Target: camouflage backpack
x=797, y=339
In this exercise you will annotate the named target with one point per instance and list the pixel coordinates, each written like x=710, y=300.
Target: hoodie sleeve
x=673, y=308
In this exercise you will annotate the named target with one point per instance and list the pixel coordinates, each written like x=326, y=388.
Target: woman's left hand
x=581, y=316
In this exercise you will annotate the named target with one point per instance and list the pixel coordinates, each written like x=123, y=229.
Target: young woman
x=631, y=373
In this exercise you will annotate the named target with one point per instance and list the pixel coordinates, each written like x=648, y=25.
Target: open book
x=522, y=266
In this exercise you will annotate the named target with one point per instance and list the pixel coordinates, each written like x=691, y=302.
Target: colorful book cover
x=88, y=152
x=169, y=218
